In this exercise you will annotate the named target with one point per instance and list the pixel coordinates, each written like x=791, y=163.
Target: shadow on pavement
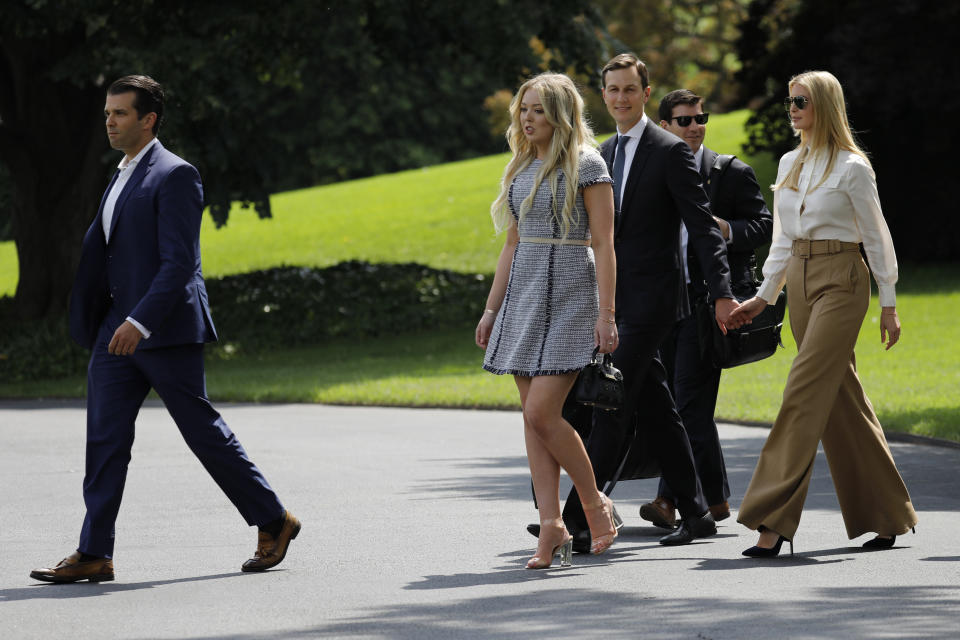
x=833, y=612
x=54, y=591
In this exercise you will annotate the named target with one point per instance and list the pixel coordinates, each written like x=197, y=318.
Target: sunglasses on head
x=684, y=121
x=800, y=102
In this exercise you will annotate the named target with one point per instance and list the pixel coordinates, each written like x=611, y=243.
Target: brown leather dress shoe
x=720, y=511
x=272, y=550
x=72, y=569
x=661, y=512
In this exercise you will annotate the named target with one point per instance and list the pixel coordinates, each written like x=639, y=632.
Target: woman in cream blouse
x=825, y=204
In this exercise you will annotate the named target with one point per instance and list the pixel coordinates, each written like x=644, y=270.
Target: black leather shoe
x=534, y=529
x=690, y=529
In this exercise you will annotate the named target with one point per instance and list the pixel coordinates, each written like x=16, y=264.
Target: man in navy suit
x=656, y=187
x=139, y=303
x=746, y=224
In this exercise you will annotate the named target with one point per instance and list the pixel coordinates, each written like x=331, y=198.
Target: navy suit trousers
x=116, y=389
x=695, y=382
x=645, y=391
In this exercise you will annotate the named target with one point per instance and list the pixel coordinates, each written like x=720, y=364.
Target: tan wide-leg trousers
x=828, y=297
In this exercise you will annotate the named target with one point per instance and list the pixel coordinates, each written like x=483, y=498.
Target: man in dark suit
x=746, y=224
x=656, y=186
x=140, y=303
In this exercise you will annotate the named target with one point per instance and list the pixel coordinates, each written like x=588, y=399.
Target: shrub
x=281, y=306
x=37, y=349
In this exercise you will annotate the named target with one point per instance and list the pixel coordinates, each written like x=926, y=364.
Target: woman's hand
x=889, y=326
x=746, y=312
x=484, y=328
x=605, y=335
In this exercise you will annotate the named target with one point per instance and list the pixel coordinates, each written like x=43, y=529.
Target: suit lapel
x=607, y=151
x=706, y=168
x=139, y=173
x=636, y=168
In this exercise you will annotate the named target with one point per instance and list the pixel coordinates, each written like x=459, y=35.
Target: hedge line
x=283, y=306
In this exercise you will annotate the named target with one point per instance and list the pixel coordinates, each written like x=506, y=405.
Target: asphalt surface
x=413, y=527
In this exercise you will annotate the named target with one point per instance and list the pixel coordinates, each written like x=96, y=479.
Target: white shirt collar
x=636, y=130
x=133, y=162
x=698, y=157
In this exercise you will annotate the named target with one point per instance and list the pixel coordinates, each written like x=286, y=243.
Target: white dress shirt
x=630, y=149
x=843, y=207
x=126, y=169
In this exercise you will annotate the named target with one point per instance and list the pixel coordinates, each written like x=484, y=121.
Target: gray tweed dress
x=545, y=324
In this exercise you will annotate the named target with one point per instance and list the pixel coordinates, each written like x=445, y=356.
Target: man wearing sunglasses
x=738, y=207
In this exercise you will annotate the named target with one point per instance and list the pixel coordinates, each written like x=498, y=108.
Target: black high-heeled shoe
x=772, y=552
x=882, y=543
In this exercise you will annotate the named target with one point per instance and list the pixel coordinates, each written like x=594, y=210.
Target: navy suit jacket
x=150, y=269
x=737, y=199
x=663, y=188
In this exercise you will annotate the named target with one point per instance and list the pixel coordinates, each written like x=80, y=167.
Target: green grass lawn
x=912, y=386
x=438, y=216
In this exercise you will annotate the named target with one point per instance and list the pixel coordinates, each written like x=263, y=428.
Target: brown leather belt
x=807, y=248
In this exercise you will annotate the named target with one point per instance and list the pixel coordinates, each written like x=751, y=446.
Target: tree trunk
x=53, y=142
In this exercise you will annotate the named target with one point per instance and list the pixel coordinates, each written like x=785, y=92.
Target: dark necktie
x=618, y=172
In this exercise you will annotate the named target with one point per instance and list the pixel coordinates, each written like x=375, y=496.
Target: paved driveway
x=414, y=528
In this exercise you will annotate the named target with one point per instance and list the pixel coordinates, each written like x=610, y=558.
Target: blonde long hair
x=830, y=131
x=563, y=109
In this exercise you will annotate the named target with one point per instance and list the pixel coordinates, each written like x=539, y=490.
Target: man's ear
x=149, y=120
x=663, y=124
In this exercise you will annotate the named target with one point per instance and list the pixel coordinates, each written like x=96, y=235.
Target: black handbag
x=751, y=342
x=600, y=384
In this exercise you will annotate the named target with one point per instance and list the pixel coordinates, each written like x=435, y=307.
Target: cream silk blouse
x=844, y=207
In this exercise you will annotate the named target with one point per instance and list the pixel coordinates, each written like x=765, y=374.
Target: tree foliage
x=260, y=97
x=898, y=66
x=685, y=43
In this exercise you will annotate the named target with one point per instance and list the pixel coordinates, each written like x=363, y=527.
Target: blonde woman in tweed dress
x=552, y=297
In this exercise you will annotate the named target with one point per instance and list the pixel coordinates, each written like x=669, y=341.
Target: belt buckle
x=802, y=249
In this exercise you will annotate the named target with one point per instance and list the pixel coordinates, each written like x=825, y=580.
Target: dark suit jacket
x=663, y=188
x=737, y=199
x=150, y=269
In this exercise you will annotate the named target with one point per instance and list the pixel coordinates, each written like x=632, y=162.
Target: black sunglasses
x=684, y=121
x=800, y=102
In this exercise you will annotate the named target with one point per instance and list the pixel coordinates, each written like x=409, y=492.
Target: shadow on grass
x=929, y=278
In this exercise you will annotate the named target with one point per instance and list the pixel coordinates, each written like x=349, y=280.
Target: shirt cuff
x=887, y=294
x=142, y=329
x=769, y=291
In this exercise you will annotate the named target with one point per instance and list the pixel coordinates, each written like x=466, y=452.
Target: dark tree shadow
x=855, y=612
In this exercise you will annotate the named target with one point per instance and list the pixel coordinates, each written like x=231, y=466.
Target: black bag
x=600, y=384
x=749, y=343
